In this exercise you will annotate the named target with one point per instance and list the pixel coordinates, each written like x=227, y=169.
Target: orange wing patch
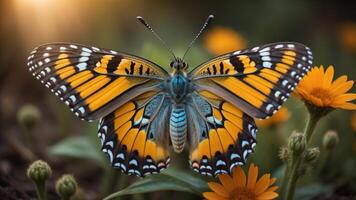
x=226, y=140
x=131, y=138
x=227, y=66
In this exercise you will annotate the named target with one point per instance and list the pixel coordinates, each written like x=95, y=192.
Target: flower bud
x=284, y=154
x=297, y=143
x=28, y=116
x=66, y=186
x=39, y=171
x=311, y=154
x=330, y=140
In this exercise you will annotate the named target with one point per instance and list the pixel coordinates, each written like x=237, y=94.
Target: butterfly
x=144, y=110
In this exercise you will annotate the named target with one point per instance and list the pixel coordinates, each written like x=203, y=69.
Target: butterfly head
x=178, y=64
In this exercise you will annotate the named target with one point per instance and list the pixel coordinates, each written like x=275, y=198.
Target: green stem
x=41, y=190
x=297, y=160
x=110, y=179
x=309, y=128
x=285, y=179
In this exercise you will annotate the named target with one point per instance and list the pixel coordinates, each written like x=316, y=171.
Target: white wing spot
x=81, y=66
x=84, y=53
x=73, y=46
x=95, y=48
x=87, y=50
x=267, y=64
x=83, y=59
x=265, y=49
x=255, y=48
x=266, y=58
x=266, y=53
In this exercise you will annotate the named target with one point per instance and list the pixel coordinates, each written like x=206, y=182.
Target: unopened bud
x=284, y=154
x=28, y=116
x=39, y=171
x=330, y=140
x=66, y=186
x=311, y=154
x=297, y=143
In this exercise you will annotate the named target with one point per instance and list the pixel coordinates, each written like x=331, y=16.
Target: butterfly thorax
x=178, y=83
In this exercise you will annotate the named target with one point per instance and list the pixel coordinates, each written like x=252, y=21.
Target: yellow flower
x=220, y=40
x=347, y=32
x=281, y=116
x=240, y=187
x=318, y=88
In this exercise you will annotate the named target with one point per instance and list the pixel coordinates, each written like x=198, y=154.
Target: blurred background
x=36, y=125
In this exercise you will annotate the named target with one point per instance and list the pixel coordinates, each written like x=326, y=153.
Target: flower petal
x=239, y=177
x=272, y=189
x=252, y=176
x=267, y=196
x=227, y=182
x=345, y=98
x=338, y=81
x=328, y=77
x=342, y=88
x=348, y=106
x=219, y=189
x=262, y=184
x=213, y=196
x=272, y=181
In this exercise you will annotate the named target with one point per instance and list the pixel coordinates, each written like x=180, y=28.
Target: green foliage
x=310, y=191
x=170, y=179
x=79, y=147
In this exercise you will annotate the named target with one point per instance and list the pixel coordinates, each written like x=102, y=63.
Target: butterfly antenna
x=206, y=23
x=139, y=18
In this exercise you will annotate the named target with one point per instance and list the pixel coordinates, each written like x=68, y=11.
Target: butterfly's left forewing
x=91, y=81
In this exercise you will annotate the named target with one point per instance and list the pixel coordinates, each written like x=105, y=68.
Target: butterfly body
x=143, y=109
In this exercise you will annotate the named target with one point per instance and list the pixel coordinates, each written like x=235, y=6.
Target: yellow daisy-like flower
x=281, y=116
x=220, y=40
x=240, y=187
x=318, y=88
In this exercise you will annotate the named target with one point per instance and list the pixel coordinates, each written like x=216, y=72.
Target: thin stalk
x=296, y=160
x=285, y=179
x=41, y=190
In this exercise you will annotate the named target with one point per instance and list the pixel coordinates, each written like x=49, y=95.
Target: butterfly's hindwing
x=257, y=80
x=93, y=81
x=220, y=135
x=134, y=136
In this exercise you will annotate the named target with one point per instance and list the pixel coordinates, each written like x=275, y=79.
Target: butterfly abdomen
x=178, y=128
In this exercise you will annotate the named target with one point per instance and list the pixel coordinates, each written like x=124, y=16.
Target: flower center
x=242, y=194
x=322, y=94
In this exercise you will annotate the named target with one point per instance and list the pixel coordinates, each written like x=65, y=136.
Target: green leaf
x=190, y=178
x=79, y=147
x=171, y=179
